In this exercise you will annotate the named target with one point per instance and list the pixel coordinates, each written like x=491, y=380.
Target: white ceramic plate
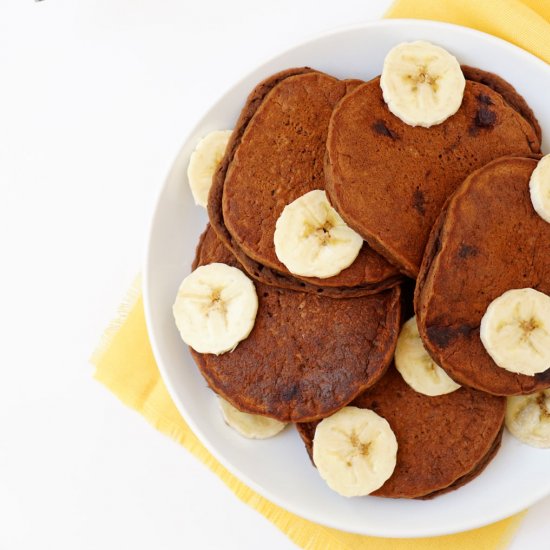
x=279, y=468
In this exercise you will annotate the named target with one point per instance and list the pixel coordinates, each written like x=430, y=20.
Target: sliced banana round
x=355, y=451
x=416, y=367
x=312, y=240
x=539, y=186
x=252, y=426
x=422, y=84
x=215, y=308
x=515, y=331
x=528, y=418
x=203, y=163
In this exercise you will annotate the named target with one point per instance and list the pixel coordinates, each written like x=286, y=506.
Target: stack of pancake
x=447, y=224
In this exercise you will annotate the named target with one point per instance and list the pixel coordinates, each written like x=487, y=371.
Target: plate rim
x=241, y=475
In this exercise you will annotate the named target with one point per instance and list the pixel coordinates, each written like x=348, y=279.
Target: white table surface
x=96, y=97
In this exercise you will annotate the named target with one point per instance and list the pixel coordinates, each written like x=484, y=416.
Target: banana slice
x=528, y=418
x=515, y=331
x=215, y=308
x=312, y=240
x=416, y=367
x=355, y=451
x=252, y=426
x=203, y=163
x=539, y=186
x=422, y=84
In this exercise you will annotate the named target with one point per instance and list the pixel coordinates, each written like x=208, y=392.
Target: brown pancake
x=443, y=442
x=307, y=355
x=488, y=240
x=389, y=180
x=507, y=91
x=274, y=156
x=307, y=432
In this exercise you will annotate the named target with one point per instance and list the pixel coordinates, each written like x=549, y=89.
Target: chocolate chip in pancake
x=488, y=240
x=307, y=355
x=443, y=442
x=389, y=180
x=276, y=155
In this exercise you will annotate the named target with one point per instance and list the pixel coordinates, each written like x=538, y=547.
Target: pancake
x=307, y=355
x=389, y=180
x=307, y=432
x=507, y=91
x=488, y=240
x=274, y=156
x=443, y=442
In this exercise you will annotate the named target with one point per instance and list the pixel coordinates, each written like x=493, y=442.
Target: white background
x=96, y=97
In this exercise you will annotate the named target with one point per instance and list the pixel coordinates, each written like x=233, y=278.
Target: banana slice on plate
x=539, y=186
x=203, y=163
x=355, y=451
x=528, y=418
x=416, y=367
x=215, y=308
x=312, y=240
x=515, y=331
x=422, y=84
x=252, y=426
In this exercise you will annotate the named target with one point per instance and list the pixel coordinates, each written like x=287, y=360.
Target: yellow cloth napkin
x=525, y=23
x=125, y=363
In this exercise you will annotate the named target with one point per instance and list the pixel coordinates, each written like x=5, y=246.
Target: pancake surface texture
x=487, y=240
x=307, y=355
x=276, y=154
x=443, y=442
x=389, y=180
